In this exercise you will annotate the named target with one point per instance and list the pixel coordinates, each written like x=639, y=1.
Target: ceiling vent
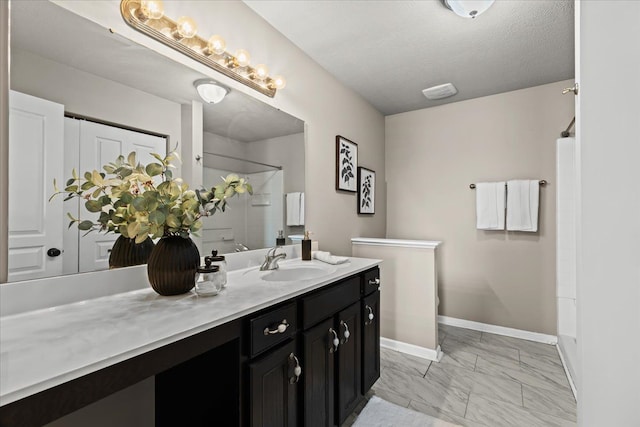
x=439, y=92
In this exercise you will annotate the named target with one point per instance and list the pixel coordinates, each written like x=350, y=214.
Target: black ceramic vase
x=172, y=265
x=126, y=252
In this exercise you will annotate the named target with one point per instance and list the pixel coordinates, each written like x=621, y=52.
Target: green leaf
x=69, y=181
x=85, y=225
x=126, y=198
x=141, y=237
x=132, y=229
x=157, y=217
x=172, y=221
x=168, y=174
x=93, y=206
x=131, y=159
x=139, y=203
x=154, y=169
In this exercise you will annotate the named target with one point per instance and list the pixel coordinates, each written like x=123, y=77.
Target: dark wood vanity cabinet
x=273, y=387
x=370, y=340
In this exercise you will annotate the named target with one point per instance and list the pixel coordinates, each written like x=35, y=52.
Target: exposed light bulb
x=153, y=9
x=186, y=27
x=216, y=44
x=261, y=72
x=242, y=57
x=278, y=82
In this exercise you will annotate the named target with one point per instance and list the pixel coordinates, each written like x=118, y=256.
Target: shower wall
x=566, y=251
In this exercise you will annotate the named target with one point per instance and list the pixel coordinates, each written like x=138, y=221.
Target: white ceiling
x=52, y=32
x=388, y=51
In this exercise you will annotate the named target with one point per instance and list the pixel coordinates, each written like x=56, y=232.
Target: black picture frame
x=366, y=191
x=346, y=165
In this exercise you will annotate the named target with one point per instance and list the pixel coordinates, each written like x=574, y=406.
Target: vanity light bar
x=181, y=35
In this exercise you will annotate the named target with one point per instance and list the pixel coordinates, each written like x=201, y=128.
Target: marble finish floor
x=483, y=380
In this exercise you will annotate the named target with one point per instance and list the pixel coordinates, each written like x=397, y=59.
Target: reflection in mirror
x=82, y=95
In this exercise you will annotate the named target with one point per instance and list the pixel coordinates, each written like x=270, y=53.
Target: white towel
x=328, y=258
x=293, y=208
x=301, y=208
x=523, y=198
x=490, y=205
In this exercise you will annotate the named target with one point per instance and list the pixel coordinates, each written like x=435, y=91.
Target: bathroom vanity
x=268, y=351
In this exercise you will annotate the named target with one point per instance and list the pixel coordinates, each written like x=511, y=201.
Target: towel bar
x=541, y=182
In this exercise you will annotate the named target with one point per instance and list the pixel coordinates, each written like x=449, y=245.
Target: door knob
x=54, y=252
x=573, y=89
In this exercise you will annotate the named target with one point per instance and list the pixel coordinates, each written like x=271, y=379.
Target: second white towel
x=295, y=209
x=523, y=199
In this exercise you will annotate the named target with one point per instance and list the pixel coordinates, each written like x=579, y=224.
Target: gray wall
x=432, y=155
x=608, y=120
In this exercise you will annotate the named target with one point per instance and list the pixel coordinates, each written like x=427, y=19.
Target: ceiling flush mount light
x=182, y=35
x=210, y=91
x=468, y=8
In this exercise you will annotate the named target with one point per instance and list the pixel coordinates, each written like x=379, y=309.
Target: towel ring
x=541, y=182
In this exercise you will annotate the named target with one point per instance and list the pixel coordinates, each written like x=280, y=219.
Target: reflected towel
x=301, y=208
x=328, y=258
x=490, y=205
x=523, y=199
x=293, y=208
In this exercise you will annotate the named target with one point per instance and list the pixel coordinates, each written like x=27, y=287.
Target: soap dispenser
x=280, y=239
x=306, y=247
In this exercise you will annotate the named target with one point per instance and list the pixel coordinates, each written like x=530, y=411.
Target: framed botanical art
x=346, y=164
x=366, y=191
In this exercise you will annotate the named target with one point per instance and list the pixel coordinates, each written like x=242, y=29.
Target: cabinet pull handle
x=374, y=282
x=335, y=343
x=297, y=370
x=346, y=334
x=280, y=329
x=370, y=316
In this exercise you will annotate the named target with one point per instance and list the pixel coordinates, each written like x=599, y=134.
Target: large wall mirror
x=80, y=96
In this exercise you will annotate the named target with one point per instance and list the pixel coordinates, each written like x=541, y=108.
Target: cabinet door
x=273, y=388
x=318, y=380
x=349, y=361
x=370, y=340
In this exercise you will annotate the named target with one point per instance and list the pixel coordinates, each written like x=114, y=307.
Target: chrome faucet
x=241, y=248
x=271, y=260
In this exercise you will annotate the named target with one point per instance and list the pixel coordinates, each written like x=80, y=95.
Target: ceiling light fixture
x=148, y=17
x=210, y=91
x=468, y=8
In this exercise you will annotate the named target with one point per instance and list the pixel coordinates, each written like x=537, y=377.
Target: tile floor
x=483, y=380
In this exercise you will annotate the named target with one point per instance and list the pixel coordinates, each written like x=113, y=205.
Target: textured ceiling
x=52, y=32
x=388, y=51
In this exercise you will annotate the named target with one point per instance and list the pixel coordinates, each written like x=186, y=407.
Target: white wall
x=4, y=139
x=432, y=155
x=92, y=96
x=609, y=236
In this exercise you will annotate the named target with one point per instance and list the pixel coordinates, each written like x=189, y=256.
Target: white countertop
x=44, y=348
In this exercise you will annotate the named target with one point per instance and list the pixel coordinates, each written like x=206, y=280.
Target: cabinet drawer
x=371, y=281
x=272, y=328
x=327, y=302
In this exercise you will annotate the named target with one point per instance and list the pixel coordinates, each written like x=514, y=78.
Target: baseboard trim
x=567, y=373
x=499, y=330
x=414, y=350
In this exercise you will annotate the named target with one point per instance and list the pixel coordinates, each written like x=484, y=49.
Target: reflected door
x=101, y=144
x=35, y=159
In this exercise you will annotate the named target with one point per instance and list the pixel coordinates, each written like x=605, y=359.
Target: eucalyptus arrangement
x=139, y=201
x=144, y=202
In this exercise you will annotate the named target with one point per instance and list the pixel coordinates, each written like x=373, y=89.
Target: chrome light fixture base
x=468, y=8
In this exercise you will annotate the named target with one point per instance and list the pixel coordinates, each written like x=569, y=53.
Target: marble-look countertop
x=44, y=348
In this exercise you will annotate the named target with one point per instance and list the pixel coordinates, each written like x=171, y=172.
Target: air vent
x=441, y=91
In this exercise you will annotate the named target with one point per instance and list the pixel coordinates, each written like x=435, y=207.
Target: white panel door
x=99, y=145
x=35, y=158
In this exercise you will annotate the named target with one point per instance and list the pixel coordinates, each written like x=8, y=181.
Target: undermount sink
x=293, y=272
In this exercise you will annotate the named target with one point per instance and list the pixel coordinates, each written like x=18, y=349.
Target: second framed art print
x=366, y=191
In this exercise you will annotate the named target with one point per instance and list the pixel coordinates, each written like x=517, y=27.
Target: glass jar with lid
x=221, y=262
x=208, y=279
